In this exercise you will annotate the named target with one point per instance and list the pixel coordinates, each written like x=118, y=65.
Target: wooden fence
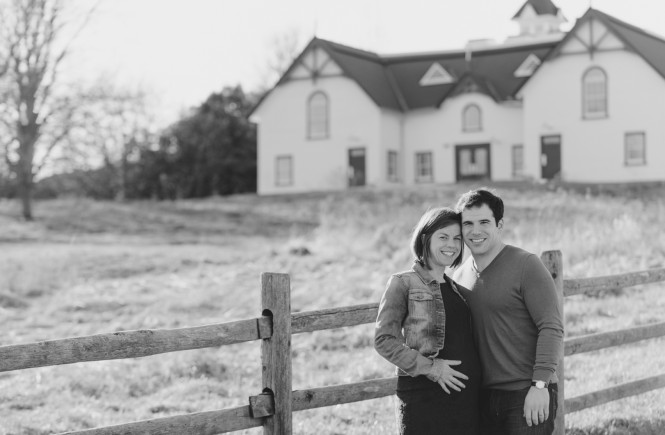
x=273, y=407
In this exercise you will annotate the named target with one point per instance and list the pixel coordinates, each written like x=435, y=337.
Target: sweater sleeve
x=540, y=298
x=389, y=340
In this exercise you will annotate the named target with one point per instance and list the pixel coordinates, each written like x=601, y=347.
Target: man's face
x=479, y=229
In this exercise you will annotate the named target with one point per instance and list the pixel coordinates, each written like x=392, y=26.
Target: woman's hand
x=446, y=376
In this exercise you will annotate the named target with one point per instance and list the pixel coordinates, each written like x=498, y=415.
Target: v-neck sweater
x=518, y=326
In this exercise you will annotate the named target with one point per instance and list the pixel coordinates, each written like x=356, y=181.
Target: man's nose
x=474, y=229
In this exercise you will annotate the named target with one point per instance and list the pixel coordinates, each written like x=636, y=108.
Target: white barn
x=586, y=106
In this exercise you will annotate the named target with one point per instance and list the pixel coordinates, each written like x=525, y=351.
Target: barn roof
x=394, y=81
x=490, y=69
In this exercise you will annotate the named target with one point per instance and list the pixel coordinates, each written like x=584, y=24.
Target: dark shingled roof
x=369, y=72
x=490, y=69
x=542, y=7
x=393, y=81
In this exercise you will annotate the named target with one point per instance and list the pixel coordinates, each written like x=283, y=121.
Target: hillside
x=86, y=267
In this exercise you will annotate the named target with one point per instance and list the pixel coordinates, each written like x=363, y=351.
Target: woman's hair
x=430, y=222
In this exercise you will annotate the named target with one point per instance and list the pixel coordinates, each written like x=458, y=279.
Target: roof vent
x=436, y=75
x=528, y=66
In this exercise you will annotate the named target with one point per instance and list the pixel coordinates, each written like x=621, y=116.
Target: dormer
x=538, y=18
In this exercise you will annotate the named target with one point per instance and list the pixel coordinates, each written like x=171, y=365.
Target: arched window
x=594, y=93
x=471, y=118
x=317, y=116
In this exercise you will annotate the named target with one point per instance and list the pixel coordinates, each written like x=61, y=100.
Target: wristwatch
x=539, y=384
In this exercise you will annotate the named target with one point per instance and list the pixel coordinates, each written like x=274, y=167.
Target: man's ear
x=500, y=224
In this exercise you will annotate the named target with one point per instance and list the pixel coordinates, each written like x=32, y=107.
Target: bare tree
x=34, y=118
x=284, y=49
x=111, y=125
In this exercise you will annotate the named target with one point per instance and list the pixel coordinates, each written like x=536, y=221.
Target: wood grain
x=579, y=286
x=617, y=392
x=591, y=342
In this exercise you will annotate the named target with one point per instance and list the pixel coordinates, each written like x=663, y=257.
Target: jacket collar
x=422, y=273
x=426, y=277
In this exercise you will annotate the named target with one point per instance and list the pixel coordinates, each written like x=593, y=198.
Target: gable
x=470, y=83
x=314, y=63
x=592, y=35
x=597, y=31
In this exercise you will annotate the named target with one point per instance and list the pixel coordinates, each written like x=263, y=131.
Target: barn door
x=472, y=162
x=356, y=173
x=550, y=156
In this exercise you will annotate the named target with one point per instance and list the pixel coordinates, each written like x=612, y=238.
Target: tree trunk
x=25, y=185
x=27, y=137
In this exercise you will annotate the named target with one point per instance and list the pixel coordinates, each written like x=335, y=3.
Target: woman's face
x=445, y=246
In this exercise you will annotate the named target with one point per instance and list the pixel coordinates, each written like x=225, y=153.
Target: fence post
x=276, y=351
x=554, y=263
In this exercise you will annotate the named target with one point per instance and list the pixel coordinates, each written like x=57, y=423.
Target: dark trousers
x=434, y=412
x=502, y=413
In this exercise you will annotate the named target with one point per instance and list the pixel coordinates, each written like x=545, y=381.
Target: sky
x=181, y=51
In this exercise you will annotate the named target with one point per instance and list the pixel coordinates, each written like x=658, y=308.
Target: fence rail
x=146, y=342
x=273, y=408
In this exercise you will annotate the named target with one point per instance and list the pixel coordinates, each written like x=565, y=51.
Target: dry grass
x=88, y=267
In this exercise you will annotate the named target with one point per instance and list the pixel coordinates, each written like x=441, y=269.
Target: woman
x=424, y=328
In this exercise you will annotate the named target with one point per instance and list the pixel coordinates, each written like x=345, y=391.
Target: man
x=517, y=322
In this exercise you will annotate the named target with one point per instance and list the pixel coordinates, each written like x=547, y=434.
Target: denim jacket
x=410, y=326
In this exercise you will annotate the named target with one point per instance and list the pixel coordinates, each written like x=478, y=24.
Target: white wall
x=440, y=130
x=355, y=121
x=593, y=150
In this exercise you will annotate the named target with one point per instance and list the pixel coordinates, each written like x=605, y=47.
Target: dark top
x=517, y=323
x=458, y=345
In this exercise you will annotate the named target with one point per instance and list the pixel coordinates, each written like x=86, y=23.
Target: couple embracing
x=476, y=354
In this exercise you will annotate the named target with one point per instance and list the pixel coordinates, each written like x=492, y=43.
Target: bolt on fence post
x=276, y=351
x=554, y=263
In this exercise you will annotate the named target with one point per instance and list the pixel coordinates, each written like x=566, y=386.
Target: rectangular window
x=392, y=165
x=635, y=145
x=284, y=171
x=518, y=161
x=424, y=168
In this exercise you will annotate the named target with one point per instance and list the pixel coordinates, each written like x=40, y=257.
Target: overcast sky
x=183, y=50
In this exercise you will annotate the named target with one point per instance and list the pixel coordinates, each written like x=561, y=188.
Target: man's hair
x=430, y=222
x=478, y=197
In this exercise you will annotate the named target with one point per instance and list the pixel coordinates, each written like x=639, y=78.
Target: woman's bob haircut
x=430, y=222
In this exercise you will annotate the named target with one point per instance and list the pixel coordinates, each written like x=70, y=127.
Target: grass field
x=87, y=267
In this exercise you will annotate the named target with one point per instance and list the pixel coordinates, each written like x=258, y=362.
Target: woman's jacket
x=410, y=327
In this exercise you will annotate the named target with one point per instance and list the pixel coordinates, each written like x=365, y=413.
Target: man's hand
x=537, y=406
x=446, y=376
